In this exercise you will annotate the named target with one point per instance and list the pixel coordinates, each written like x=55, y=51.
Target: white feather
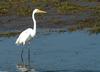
x=25, y=36
x=29, y=33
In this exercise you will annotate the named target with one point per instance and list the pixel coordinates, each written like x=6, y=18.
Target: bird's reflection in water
x=23, y=67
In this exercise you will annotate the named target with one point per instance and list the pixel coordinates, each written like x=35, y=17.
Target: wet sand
x=8, y=23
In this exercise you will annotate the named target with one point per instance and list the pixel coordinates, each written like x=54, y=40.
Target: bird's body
x=25, y=36
x=29, y=33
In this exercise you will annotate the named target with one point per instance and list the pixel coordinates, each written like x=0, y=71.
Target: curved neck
x=34, y=27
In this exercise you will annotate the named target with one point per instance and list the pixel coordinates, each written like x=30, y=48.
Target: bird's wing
x=24, y=36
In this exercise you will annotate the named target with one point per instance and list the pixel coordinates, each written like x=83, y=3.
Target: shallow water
x=54, y=52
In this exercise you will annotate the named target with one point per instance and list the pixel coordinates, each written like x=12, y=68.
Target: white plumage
x=25, y=36
x=29, y=33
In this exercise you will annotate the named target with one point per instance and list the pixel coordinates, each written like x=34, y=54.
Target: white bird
x=29, y=33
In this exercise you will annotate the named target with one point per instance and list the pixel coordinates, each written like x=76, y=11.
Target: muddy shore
x=75, y=15
x=43, y=21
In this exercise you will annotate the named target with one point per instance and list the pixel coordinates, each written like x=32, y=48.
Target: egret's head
x=39, y=11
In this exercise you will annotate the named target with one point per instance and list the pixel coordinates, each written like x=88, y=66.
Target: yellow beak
x=40, y=11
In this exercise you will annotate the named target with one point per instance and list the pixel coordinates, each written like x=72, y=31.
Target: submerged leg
x=29, y=56
x=22, y=60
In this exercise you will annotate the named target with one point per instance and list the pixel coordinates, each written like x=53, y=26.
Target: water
x=54, y=52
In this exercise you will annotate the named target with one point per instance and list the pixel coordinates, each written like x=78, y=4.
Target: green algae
x=8, y=34
x=23, y=7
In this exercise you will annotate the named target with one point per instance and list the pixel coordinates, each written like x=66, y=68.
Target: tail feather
x=17, y=41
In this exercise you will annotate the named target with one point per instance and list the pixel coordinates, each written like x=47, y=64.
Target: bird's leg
x=29, y=56
x=22, y=55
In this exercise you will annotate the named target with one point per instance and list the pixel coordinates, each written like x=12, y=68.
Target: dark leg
x=29, y=56
x=22, y=55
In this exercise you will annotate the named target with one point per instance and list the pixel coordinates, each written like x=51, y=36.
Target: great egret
x=25, y=36
x=29, y=33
